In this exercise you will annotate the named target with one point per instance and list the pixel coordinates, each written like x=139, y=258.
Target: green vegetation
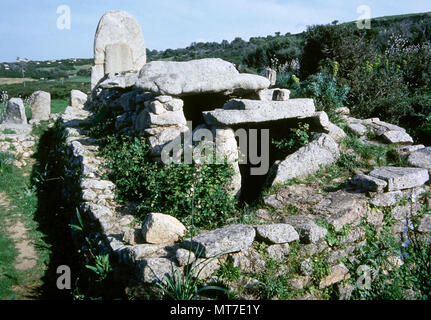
x=195, y=194
x=186, y=285
x=59, y=89
x=295, y=139
x=398, y=269
x=55, y=69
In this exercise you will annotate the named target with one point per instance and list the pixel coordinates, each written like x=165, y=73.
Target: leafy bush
x=295, y=139
x=328, y=95
x=196, y=194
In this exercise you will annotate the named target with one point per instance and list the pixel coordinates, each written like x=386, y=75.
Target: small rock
x=398, y=137
x=277, y=233
x=248, y=260
x=311, y=232
x=225, y=240
x=386, y=199
x=159, y=228
x=155, y=269
x=368, y=183
x=357, y=128
x=401, y=178
x=278, y=251
x=338, y=274
x=185, y=257
x=299, y=283
x=306, y=267
x=204, y=268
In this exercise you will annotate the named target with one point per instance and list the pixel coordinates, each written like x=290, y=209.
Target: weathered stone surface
x=299, y=283
x=386, y=199
x=15, y=112
x=401, y=178
x=277, y=233
x=368, y=183
x=421, y=159
x=153, y=270
x=159, y=228
x=338, y=274
x=40, y=105
x=406, y=150
x=399, y=137
x=278, y=251
x=243, y=111
x=97, y=184
x=205, y=268
x=270, y=74
x=228, y=239
x=118, y=45
x=310, y=232
x=321, y=152
x=335, y=132
x=158, y=141
x=281, y=95
x=299, y=196
x=342, y=208
x=425, y=224
x=77, y=98
x=271, y=95
x=118, y=58
x=119, y=80
x=185, y=257
x=197, y=77
x=380, y=127
x=357, y=128
x=248, y=261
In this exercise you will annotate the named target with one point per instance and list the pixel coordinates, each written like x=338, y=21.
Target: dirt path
x=27, y=256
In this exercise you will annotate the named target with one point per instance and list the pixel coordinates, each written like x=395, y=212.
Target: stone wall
x=149, y=259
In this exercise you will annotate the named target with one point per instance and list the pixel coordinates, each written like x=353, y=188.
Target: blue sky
x=29, y=28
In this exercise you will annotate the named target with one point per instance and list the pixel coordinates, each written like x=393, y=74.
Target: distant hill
x=250, y=56
x=52, y=69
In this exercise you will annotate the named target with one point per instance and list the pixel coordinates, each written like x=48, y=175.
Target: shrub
x=328, y=95
x=196, y=194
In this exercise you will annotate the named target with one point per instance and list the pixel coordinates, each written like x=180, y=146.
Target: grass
x=16, y=185
x=57, y=106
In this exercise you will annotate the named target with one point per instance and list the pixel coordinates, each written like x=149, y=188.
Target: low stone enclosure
x=157, y=102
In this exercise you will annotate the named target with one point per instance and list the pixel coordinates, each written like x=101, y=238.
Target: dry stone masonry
x=157, y=100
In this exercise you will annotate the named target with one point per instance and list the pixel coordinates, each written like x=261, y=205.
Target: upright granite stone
x=228, y=239
x=242, y=111
x=401, y=178
x=118, y=45
x=321, y=152
x=15, y=112
x=204, y=76
x=40, y=105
